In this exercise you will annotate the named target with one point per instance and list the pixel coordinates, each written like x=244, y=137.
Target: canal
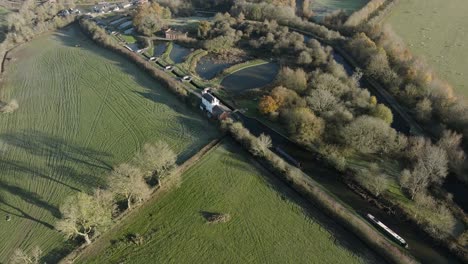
x=420, y=246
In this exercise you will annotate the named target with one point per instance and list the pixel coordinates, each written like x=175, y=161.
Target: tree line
x=86, y=215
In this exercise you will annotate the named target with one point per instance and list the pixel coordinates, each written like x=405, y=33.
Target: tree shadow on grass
x=17, y=166
x=56, y=153
x=18, y=212
x=41, y=144
x=29, y=197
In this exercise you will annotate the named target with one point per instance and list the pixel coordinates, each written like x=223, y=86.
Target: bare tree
x=84, y=215
x=450, y=142
x=128, y=181
x=156, y=160
x=370, y=135
x=430, y=166
x=373, y=180
x=321, y=101
x=293, y=79
x=21, y=257
x=261, y=145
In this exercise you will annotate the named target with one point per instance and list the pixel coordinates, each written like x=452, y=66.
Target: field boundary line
x=171, y=181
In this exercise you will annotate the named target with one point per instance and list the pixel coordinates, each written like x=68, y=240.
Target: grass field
x=267, y=225
x=323, y=7
x=82, y=110
x=436, y=30
x=3, y=23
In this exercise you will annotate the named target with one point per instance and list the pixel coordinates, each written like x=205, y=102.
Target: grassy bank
x=82, y=110
x=238, y=67
x=266, y=223
x=324, y=7
x=436, y=30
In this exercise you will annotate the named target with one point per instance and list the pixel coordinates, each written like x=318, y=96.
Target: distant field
x=437, y=31
x=3, y=15
x=267, y=225
x=82, y=110
x=323, y=7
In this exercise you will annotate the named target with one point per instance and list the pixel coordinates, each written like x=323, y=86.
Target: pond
x=207, y=68
x=178, y=53
x=159, y=48
x=134, y=46
x=250, y=78
x=126, y=24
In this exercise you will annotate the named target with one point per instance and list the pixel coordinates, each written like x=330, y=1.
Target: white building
x=208, y=102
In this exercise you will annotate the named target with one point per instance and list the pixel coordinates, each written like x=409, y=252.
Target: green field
x=3, y=23
x=82, y=110
x=267, y=223
x=323, y=7
x=436, y=30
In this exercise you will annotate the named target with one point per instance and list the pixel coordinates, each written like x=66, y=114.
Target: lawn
x=129, y=38
x=3, y=23
x=82, y=110
x=436, y=30
x=267, y=223
x=324, y=7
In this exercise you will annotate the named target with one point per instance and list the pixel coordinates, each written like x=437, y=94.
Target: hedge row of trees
x=85, y=215
x=259, y=147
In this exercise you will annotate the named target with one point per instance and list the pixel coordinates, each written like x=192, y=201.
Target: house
x=209, y=102
x=174, y=34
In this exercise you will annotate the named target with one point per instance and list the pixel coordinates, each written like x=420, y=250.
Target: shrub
x=373, y=180
x=10, y=107
x=267, y=105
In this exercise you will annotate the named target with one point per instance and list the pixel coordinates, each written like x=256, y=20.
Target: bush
x=10, y=107
x=373, y=180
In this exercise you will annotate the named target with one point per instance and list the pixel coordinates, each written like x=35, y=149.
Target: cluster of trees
x=226, y=31
x=178, y=7
x=85, y=215
x=219, y=36
x=328, y=100
x=308, y=104
x=33, y=18
x=149, y=18
x=271, y=37
x=284, y=15
x=386, y=58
